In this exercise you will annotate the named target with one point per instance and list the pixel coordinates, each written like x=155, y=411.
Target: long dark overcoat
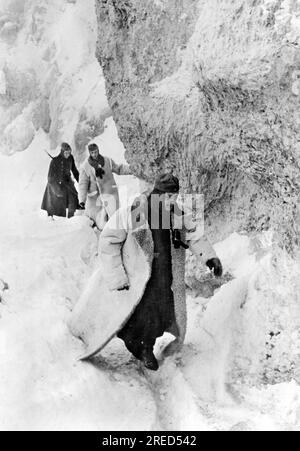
x=60, y=191
x=126, y=256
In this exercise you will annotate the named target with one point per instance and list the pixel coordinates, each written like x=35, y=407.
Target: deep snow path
x=43, y=386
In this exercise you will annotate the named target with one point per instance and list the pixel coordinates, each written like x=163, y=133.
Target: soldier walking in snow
x=138, y=293
x=61, y=195
x=98, y=191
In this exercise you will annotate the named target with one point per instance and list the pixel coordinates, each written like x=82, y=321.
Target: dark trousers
x=155, y=314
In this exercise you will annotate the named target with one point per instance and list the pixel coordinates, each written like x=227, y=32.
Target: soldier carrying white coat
x=139, y=291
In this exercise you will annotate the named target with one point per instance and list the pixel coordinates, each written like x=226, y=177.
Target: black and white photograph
x=150, y=218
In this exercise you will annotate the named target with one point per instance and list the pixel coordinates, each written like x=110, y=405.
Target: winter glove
x=215, y=265
x=100, y=172
x=82, y=206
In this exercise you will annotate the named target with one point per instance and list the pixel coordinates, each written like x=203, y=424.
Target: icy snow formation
x=209, y=89
x=49, y=77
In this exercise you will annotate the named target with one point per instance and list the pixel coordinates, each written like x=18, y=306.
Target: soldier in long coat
x=138, y=291
x=61, y=196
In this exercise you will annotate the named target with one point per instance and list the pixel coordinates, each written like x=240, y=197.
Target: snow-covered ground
x=42, y=384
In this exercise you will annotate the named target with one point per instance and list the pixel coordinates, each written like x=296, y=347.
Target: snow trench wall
x=49, y=76
x=210, y=89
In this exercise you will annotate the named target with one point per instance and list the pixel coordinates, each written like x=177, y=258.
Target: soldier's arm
x=111, y=242
x=200, y=245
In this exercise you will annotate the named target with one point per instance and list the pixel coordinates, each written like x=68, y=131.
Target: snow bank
x=243, y=337
x=252, y=324
x=49, y=76
x=22, y=180
x=18, y=135
x=210, y=91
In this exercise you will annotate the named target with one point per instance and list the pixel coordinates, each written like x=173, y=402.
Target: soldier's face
x=170, y=200
x=67, y=154
x=94, y=154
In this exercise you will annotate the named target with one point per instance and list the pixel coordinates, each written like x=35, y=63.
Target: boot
x=149, y=360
